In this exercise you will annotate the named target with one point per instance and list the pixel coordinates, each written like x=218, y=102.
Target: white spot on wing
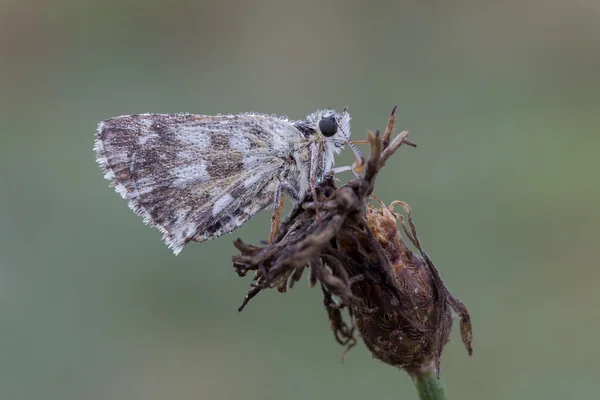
x=278, y=144
x=192, y=136
x=187, y=155
x=190, y=173
x=142, y=140
x=221, y=204
x=239, y=143
x=254, y=164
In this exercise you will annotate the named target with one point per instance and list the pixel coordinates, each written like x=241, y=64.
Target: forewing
x=193, y=177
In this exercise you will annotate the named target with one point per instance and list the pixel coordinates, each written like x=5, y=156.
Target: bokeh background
x=502, y=97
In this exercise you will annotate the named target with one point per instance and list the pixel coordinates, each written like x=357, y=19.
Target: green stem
x=429, y=387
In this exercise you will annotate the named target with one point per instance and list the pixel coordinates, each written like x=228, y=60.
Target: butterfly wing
x=194, y=177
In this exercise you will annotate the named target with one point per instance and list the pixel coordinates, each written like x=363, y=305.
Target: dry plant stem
x=393, y=146
x=393, y=296
x=389, y=129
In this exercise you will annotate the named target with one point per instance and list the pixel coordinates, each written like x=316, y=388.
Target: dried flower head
x=393, y=295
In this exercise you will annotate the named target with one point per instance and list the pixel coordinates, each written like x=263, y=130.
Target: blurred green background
x=503, y=99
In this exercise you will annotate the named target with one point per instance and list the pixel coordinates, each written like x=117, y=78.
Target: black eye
x=328, y=126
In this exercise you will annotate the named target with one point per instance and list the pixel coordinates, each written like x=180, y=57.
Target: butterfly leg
x=277, y=210
x=359, y=161
x=284, y=186
x=357, y=166
x=314, y=163
x=337, y=170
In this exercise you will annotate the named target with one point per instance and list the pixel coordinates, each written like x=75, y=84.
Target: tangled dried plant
x=394, y=296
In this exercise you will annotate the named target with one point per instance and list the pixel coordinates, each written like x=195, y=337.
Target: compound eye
x=328, y=126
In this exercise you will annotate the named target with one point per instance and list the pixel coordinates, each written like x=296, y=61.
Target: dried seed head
x=412, y=333
x=360, y=259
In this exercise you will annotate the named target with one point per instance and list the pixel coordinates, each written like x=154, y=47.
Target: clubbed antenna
x=359, y=160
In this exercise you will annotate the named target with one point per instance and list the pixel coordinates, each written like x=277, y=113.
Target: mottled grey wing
x=194, y=177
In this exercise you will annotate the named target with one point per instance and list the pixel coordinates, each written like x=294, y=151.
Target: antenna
x=359, y=160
